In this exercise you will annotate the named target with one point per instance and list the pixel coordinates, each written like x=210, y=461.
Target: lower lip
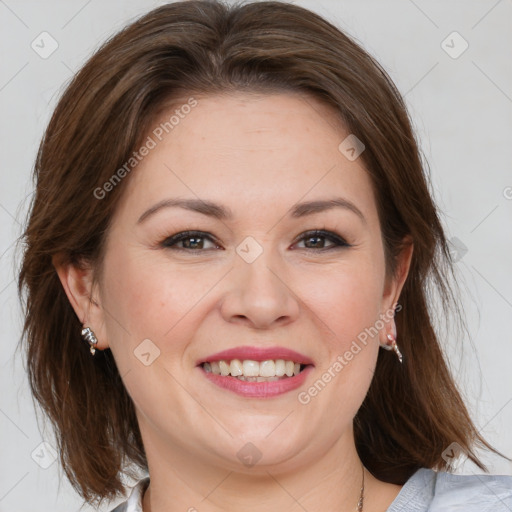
x=258, y=389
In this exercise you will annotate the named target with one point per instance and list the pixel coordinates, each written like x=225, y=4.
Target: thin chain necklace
x=361, y=496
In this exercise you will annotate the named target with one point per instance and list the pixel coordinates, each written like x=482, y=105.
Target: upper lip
x=257, y=354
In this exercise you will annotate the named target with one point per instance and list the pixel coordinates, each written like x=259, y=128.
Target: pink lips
x=258, y=354
x=258, y=389
x=267, y=389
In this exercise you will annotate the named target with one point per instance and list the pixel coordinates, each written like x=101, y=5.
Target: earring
x=394, y=347
x=89, y=336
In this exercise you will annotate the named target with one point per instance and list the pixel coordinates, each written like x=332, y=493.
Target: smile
x=254, y=371
x=253, y=379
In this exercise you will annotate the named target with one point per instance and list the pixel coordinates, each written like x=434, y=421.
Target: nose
x=259, y=294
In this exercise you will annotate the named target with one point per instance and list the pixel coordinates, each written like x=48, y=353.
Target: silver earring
x=89, y=336
x=393, y=347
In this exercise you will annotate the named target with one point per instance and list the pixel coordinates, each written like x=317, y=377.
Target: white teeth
x=250, y=368
x=267, y=368
x=236, y=367
x=224, y=368
x=253, y=371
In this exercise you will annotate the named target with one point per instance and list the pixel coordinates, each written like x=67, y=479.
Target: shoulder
x=134, y=501
x=433, y=491
x=481, y=492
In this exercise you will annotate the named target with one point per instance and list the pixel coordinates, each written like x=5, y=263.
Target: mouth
x=249, y=370
x=257, y=372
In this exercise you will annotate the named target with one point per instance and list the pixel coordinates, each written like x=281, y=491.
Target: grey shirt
x=425, y=491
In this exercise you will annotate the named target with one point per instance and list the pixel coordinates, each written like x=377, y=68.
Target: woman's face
x=256, y=278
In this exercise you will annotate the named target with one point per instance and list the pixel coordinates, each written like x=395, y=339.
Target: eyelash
x=170, y=242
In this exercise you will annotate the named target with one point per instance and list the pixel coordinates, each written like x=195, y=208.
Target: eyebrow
x=221, y=212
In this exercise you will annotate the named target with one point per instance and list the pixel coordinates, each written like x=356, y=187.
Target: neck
x=307, y=481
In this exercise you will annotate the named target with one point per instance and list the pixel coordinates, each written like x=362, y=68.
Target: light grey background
x=462, y=110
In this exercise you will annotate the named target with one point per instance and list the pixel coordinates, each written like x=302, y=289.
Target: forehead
x=248, y=151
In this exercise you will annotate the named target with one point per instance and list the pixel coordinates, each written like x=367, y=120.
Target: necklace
x=361, y=496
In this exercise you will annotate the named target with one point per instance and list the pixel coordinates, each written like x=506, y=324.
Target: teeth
x=267, y=368
x=236, y=367
x=224, y=368
x=254, y=371
x=250, y=368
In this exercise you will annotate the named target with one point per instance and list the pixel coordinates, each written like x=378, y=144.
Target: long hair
x=409, y=417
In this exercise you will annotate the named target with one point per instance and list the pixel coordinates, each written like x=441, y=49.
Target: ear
x=393, y=289
x=78, y=283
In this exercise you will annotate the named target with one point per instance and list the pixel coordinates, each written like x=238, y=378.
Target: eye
x=195, y=241
x=314, y=239
x=192, y=240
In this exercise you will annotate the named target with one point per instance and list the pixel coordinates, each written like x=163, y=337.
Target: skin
x=257, y=155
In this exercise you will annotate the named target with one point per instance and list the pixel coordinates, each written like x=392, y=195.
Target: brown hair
x=411, y=412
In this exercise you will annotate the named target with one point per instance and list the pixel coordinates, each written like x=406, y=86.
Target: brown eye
x=191, y=240
x=316, y=240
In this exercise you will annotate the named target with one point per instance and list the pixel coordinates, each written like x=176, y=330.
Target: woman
x=231, y=218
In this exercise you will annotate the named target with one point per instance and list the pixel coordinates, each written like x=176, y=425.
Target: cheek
x=347, y=306
x=347, y=303
x=145, y=305
x=347, y=300
x=148, y=297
